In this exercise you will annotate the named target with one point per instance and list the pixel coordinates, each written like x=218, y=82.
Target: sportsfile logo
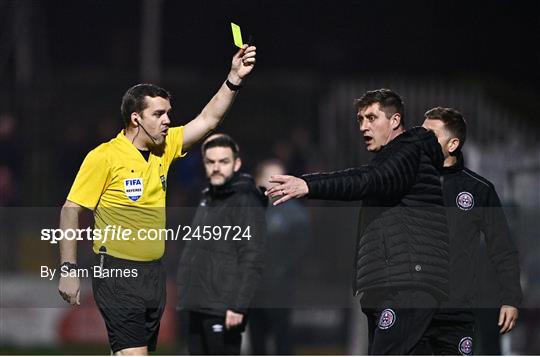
x=108, y=233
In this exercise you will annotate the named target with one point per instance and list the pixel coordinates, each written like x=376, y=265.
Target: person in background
x=477, y=226
x=287, y=235
x=223, y=259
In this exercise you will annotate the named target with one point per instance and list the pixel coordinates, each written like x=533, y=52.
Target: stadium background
x=64, y=66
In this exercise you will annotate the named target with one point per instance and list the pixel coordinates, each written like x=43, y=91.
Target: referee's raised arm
x=69, y=286
x=213, y=113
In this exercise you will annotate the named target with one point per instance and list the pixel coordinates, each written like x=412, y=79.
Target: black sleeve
x=249, y=212
x=391, y=177
x=502, y=251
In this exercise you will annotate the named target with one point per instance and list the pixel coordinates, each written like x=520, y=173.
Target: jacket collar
x=458, y=166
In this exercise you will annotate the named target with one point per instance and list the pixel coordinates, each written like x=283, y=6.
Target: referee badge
x=133, y=187
x=465, y=346
x=465, y=200
x=163, y=182
x=387, y=319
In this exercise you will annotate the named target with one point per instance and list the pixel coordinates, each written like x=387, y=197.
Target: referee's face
x=155, y=119
x=220, y=165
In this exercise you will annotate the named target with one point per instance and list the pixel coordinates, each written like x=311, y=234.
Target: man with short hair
x=124, y=182
x=222, y=262
x=402, y=245
x=474, y=211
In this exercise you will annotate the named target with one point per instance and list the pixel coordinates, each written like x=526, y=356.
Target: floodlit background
x=64, y=66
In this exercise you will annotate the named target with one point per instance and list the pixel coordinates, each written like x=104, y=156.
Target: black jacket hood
x=426, y=141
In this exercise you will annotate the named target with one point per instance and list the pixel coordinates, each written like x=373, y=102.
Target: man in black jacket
x=474, y=215
x=222, y=262
x=402, y=245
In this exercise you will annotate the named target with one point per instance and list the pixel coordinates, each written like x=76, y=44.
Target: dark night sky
x=91, y=49
x=482, y=38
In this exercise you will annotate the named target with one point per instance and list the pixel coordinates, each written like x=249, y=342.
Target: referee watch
x=232, y=86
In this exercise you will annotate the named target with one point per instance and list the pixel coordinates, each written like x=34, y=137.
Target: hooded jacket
x=402, y=240
x=220, y=274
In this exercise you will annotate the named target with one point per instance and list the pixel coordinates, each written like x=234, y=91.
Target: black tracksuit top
x=477, y=221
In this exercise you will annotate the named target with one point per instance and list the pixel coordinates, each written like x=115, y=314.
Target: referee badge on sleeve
x=133, y=187
x=163, y=182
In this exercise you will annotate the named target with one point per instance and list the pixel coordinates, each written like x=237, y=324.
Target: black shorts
x=131, y=300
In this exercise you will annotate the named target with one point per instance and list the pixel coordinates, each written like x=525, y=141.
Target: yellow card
x=237, y=35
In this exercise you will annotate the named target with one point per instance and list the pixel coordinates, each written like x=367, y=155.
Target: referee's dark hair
x=454, y=122
x=133, y=101
x=220, y=140
x=389, y=101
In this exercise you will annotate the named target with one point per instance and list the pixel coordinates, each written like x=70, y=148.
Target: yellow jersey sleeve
x=175, y=142
x=91, y=181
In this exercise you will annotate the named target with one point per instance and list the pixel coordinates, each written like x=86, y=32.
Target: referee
x=124, y=183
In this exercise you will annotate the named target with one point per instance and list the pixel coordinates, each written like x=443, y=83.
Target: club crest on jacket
x=465, y=201
x=387, y=319
x=466, y=346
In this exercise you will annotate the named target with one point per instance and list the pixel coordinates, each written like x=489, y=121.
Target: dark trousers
x=209, y=336
x=450, y=333
x=397, y=320
x=487, y=337
x=270, y=322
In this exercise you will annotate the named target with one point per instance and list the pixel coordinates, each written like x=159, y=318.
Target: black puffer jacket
x=217, y=275
x=403, y=235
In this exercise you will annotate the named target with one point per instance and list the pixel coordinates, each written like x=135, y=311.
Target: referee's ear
x=135, y=119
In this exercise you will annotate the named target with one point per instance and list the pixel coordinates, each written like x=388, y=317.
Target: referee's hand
x=70, y=289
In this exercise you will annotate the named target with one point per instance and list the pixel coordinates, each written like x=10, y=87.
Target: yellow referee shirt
x=126, y=192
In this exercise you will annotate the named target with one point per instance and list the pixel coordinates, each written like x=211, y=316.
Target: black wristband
x=71, y=266
x=232, y=87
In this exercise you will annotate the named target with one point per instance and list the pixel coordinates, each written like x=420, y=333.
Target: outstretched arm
x=391, y=177
x=213, y=113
